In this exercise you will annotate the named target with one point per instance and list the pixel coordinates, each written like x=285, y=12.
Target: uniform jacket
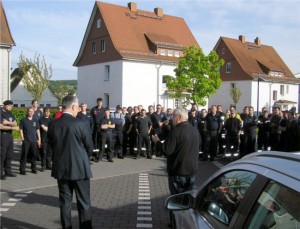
x=71, y=143
x=182, y=150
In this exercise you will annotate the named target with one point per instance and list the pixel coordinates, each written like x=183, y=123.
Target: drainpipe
x=8, y=72
x=270, y=107
x=157, y=73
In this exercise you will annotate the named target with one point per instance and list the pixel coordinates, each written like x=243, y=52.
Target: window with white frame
x=287, y=89
x=170, y=53
x=106, y=72
x=275, y=95
x=177, y=54
x=102, y=45
x=223, y=50
x=281, y=89
x=163, y=52
x=228, y=68
x=106, y=100
x=98, y=23
x=94, y=48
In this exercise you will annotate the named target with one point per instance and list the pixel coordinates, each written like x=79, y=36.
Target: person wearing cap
x=119, y=121
x=8, y=123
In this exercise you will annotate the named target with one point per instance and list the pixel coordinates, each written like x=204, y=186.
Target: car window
x=222, y=196
x=277, y=207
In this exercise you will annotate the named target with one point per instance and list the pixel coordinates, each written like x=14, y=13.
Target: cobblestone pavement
x=128, y=193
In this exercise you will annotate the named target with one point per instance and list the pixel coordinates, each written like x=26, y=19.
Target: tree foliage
x=60, y=89
x=36, y=74
x=197, y=76
x=235, y=94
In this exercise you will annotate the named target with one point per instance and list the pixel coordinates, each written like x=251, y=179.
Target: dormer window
x=98, y=23
x=163, y=52
x=170, y=53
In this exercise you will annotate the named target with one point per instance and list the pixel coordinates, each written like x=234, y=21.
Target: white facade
x=22, y=98
x=5, y=59
x=129, y=83
x=267, y=95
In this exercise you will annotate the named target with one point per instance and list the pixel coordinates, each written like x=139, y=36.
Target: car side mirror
x=182, y=201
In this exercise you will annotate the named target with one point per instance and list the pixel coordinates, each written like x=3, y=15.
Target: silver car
x=261, y=190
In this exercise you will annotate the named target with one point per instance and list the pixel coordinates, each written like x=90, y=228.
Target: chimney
x=242, y=38
x=257, y=41
x=132, y=6
x=159, y=12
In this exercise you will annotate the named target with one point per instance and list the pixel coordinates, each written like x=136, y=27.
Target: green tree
x=60, y=90
x=36, y=75
x=197, y=76
x=235, y=94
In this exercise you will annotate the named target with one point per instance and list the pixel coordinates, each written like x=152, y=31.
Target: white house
x=126, y=54
x=22, y=98
x=258, y=71
x=6, y=44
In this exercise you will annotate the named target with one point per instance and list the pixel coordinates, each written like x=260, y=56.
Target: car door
x=221, y=201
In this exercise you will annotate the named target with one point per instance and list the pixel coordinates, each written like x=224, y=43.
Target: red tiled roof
x=5, y=35
x=131, y=32
x=251, y=57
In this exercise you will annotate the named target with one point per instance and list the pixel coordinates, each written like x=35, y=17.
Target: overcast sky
x=55, y=28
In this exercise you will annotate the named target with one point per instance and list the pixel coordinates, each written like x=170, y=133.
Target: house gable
x=5, y=35
x=134, y=34
x=254, y=60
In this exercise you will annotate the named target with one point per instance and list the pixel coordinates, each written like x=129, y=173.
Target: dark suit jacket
x=71, y=143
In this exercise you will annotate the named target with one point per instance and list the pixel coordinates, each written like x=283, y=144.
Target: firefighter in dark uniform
x=194, y=121
x=275, y=131
x=232, y=128
x=119, y=121
x=201, y=128
x=282, y=127
x=97, y=113
x=46, y=158
x=292, y=133
x=8, y=123
x=263, y=137
x=86, y=116
x=31, y=138
x=143, y=127
x=213, y=126
x=107, y=127
x=222, y=140
x=243, y=139
x=126, y=133
x=250, y=126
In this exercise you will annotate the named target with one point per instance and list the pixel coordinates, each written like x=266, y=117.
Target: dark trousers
x=274, y=141
x=232, y=143
x=132, y=141
x=263, y=141
x=144, y=139
x=28, y=149
x=46, y=156
x=118, y=135
x=211, y=144
x=250, y=142
x=6, y=154
x=82, y=191
x=107, y=138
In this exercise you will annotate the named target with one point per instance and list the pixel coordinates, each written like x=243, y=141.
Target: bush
x=20, y=113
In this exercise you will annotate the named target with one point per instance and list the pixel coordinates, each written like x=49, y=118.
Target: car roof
x=283, y=162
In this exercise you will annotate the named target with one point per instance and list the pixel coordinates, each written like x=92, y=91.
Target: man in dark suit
x=71, y=143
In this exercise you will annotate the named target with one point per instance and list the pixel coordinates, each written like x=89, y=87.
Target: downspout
x=270, y=107
x=157, y=89
x=8, y=72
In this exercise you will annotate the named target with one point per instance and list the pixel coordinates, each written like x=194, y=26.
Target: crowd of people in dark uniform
x=127, y=131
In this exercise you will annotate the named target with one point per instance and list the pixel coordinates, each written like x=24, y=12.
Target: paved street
x=128, y=193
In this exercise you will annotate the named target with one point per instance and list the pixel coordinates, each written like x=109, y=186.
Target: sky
x=55, y=29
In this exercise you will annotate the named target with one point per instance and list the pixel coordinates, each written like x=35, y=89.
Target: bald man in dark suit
x=71, y=143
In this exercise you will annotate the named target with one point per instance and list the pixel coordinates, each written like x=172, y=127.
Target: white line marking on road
x=144, y=194
x=144, y=190
x=4, y=209
x=144, y=202
x=144, y=225
x=144, y=207
x=14, y=199
x=143, y=174
x=144, y=198
x=145, y=187
x=8, y=204
x=144, y=213
x=20, y=195
x=144, y=218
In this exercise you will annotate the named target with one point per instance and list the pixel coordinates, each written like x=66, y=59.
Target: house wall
x=4, y=74
x=131, y=83
x=249, y=91
x=21, y=97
